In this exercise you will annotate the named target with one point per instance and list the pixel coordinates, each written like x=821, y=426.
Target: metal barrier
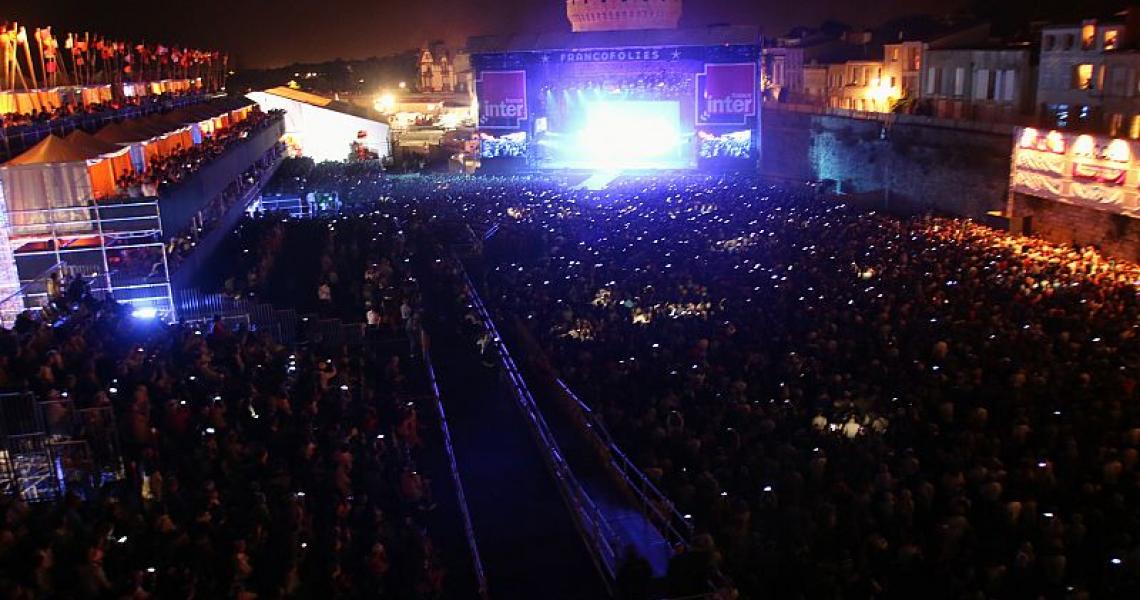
x=468, y=528
x=50, y=447
x=600, y=538
x=664, y=515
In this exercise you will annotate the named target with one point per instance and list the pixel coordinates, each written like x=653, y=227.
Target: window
x=959, y=81
x=1088, y=37
x=895, y=54
x=1068, y=45
x=915, y=60
x=1115, y=123
x=1047, y=43
x=1009, y=85
x=1134, y=128
x=1110, y=38
x=982, y=85
x=931, y=81
x=1060, y=114
x=1083, y=77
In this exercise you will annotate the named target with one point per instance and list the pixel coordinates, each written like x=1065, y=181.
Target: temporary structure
x=322, y=128
x=119, y=156
x=54, y=174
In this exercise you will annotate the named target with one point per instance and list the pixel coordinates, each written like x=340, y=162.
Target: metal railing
x=662, y=513
x=468, y=528
x=601, y=540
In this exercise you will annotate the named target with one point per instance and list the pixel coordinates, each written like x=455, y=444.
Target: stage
x=619, y=100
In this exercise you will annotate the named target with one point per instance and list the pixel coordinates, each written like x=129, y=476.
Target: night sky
x=262, y=33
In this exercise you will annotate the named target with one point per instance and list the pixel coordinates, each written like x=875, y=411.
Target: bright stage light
x=385, y=103
x=630, y=134
x=146, y=313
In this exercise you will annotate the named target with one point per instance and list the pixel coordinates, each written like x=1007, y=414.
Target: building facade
x=1121, y=93
x=618, y=15
x=1072, y=71
x=783, y=80
x=860, y=85
x=902, y=64
x=437, y=71
x=979, y=84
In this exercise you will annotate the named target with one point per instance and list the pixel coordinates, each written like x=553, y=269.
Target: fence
x=652, y=502
x=468, y=529
x=601, y=540
x=50, y=447
x=285, y=326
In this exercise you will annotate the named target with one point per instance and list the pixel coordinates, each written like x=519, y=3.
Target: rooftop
x=539, y=42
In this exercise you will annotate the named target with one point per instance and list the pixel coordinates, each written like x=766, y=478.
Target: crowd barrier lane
x=631, y=479
x=468, y=528
x=601, y=540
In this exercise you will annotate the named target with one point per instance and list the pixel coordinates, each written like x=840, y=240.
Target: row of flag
x=39, y=59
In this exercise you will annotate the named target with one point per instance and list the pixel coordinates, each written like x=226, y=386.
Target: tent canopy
x=92, y=144
x=118, y=133
x=52, y=149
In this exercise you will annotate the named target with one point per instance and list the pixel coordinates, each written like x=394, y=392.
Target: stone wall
x=1116, y=234
x=959, y=169
x=914, y=164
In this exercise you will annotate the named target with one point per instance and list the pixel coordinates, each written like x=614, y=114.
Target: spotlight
x=145, y=313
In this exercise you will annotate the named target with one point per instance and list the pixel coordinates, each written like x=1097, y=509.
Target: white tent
x=319, y=128
x=54, y=174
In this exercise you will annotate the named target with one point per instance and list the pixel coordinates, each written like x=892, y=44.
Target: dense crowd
x=251, y=469
x=353, y=183
x=847, y=404
x=74, y=109
x=843, y=404
x=175, y=167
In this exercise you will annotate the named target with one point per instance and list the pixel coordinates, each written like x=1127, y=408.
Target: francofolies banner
x=502, y=99
x=726, y=94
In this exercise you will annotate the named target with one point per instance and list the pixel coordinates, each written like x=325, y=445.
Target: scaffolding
x=116, y=247
x=50, y=448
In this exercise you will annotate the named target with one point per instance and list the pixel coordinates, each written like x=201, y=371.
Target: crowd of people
x=251, y=469
x=180, y=246
x=172, y=168
x=848, y=404
x=78, y=109
x=354, y=183
x=843, y=404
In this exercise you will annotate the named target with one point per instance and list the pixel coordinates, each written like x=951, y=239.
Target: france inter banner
x=726, y=94
x=502, y=99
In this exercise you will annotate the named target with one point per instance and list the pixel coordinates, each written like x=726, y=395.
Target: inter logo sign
x=726, y=94
x=502, y=99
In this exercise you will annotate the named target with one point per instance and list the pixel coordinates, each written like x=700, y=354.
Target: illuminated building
x=1071, y=74
x=870, y=71
x=600, y=15
x=902, y=64
x=437, y=70
x=861, y=85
